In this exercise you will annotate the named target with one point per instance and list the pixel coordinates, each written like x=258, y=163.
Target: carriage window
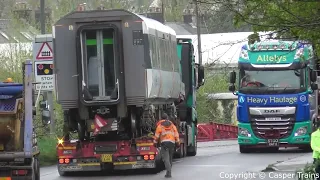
x=151, y=52
x=157, y=46
x=163, y=58
x=109, y=64
x=100, y=64
x=169, y=63
x=175, y=57
x=92, y=62
x=154, y=40
x=154, y=53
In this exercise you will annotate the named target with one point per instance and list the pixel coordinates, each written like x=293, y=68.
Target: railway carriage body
x=115, y=62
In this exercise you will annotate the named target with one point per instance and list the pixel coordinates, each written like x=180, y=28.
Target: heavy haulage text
x=289, y=100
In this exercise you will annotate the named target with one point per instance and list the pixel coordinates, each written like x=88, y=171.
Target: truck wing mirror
x=46, y=117
x=200, y=75
x=86, y=94
x=233, y=76
x=232, y=88
x=313, y=76
x=314, y=86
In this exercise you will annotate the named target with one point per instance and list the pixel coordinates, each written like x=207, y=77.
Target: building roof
x=182, y=28
x=221, y=48
x=11, y=35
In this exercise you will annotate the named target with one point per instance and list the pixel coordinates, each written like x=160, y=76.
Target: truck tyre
x=192, y=150
x=179, y=153
x=185, y=150
x=306, y=148
x=36, y=164
x=272, y=149
x=243, y=149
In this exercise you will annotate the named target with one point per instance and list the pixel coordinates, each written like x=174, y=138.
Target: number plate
x=106, y=158
x=273, y=119
x=145, y=165
x=273, y=142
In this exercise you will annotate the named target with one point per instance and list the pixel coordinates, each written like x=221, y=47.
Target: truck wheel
x=273, y=149
x=185, y=150
x=243, y=149
x=36, y=168
x=192, y=150
x=181, y=149
x=306, y=148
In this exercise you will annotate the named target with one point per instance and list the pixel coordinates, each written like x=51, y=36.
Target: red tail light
x=19, y=172
x=151, y=157
x=62, y=161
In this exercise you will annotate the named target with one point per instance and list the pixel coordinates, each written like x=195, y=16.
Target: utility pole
x=198, y=32
x=47, y=95
x=163, y=11
x=42, y=17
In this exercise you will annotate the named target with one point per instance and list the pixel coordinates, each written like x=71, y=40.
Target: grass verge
x=48, y=155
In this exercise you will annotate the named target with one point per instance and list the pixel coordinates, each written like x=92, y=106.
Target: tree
x=288, y=18
x=207, y=109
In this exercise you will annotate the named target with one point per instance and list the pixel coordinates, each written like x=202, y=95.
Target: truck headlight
x=301, y=131
x=299, y=53
x=244, y=54
x=244, y=132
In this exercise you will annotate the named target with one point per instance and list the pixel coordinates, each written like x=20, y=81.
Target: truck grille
x=270, y=125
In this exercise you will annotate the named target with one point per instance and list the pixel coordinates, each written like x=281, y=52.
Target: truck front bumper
x=291, y=141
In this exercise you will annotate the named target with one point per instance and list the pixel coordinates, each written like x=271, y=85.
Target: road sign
x=45, y=52
x=44, y=75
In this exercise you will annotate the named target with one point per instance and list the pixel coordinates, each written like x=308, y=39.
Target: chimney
x=156, y=14
x=187, y=16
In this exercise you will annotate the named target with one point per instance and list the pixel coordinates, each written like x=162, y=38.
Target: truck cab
x=276, y=95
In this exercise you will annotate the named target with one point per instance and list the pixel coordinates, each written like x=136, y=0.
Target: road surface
x=215, y=160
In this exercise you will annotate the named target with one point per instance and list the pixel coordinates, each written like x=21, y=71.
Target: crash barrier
x=215, y=131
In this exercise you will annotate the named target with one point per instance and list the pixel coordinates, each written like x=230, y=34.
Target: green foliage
x=290, y=19
x=208, y=109
x=47, y=146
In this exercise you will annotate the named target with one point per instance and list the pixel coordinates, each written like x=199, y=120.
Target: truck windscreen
x=284, y=81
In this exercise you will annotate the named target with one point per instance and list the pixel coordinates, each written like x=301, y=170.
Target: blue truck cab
x=277, y=101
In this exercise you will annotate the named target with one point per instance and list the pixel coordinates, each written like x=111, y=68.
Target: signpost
x=44, y=74
x=43, y=70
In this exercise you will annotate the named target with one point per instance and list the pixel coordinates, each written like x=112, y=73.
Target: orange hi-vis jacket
x=167, y=132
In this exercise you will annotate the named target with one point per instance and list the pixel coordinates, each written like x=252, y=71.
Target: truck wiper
x=284, y=89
